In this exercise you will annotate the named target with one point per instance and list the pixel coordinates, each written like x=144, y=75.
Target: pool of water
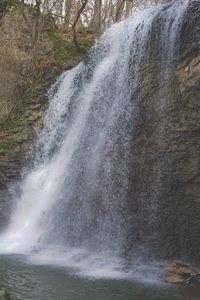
x=45, y=282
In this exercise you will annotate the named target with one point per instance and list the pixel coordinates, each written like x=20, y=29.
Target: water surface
x=44, y=282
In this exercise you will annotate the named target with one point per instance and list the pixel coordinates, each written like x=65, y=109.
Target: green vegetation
x=8, y=3
x=65, y=51
x=2, y=151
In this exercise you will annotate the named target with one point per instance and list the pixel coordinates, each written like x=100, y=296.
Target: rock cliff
x=165, y=176
x=166, y=144
x=23, y=87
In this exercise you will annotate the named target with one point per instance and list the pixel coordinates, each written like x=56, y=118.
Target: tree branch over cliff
x=77, y=18
x=28, y=25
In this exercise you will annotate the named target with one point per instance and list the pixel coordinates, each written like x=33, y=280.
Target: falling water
x=75, y=200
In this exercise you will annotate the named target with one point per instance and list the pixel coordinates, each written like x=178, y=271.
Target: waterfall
x=77, y=197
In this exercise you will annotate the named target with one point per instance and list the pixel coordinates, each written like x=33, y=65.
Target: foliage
x=7, y=4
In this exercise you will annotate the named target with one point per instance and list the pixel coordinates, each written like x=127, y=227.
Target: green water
x=55, y=283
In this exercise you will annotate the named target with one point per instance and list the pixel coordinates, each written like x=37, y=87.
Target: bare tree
x=77, y=14
x=119, y=10
x=36, y=29
x=33, y=30
x=68, y=12
x=45, y=6
x=76, y=21
x=96, y=20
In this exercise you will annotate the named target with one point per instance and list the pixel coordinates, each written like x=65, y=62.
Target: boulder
x=7, y=296
x=180, y=269
x=180, y=273
x=175, y=279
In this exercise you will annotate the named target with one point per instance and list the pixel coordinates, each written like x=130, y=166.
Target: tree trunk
x=68, y=12
x=119, y=10
x=36, y=30
x=45, y=7
x=74, y=25
x=96, y=20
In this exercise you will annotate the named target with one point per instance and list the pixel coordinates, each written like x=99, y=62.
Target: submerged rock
x=7, y=296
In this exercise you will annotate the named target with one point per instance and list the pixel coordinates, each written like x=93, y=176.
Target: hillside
x=24, y=80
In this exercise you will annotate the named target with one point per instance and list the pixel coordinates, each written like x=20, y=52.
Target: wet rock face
x=16, y=136
x=166, y=147
x=180, y=209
